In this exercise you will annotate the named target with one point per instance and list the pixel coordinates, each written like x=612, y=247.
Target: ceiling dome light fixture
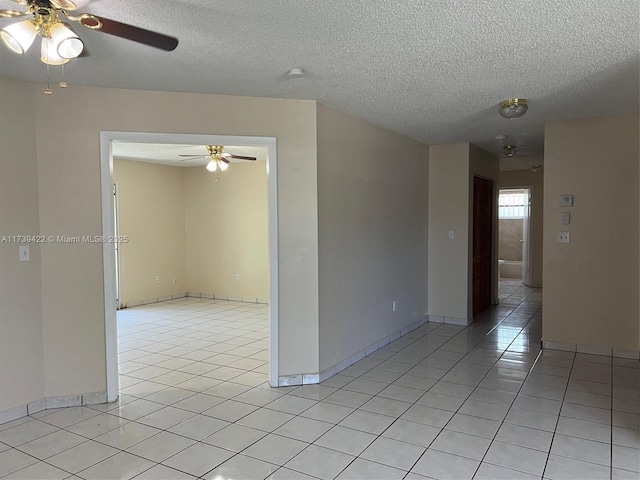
x=513, y=107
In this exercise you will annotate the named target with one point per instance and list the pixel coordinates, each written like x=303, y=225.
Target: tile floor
x=443, y=402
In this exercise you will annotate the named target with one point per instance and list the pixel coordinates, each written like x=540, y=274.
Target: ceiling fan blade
x=224, y=160
x=123, y=30
x=194, y=156
x=239, y=157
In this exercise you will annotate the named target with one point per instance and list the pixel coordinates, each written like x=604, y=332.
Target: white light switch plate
x=25, y=254
x=451, y=234
x=565, y=218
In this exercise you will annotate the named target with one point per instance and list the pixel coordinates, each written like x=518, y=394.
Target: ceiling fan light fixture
x=513, y=107
x=509, y=150
x=49, y=53
x=69, y=4
x=18, y=37
x=212, y=166
x=68, y=45
x=222, y=165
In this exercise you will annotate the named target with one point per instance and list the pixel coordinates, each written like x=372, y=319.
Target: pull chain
x=63, y=84
x=48, y=91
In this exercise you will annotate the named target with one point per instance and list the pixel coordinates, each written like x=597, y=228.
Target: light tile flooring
x=443, y=402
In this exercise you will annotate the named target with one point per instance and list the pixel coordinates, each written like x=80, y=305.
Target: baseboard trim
x=231, y=298
x=312, y=378
x=92, y=398
x=209, y=296
x=591, y=350
x=465, y=322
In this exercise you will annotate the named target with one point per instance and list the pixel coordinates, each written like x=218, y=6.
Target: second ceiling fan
x=219, y=160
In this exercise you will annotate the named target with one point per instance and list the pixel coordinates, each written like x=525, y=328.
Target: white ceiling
x=432, y=70
x=169, y=154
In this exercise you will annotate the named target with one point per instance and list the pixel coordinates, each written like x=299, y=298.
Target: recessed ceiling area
x=169, y=154
x=434, y=71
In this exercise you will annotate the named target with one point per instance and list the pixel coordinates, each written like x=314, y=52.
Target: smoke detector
x=513, y=107
x=295, y=73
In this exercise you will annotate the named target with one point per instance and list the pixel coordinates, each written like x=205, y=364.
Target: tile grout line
x=566, y=389
x=477, y=386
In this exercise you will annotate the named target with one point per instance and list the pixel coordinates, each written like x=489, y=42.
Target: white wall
x=21, y=356
x=591, y=284
x=192, y=231
x=449, y=197
x=69, y=184
x=372, y=219
x=151, y=214
x=451, y=171
x=227, y=231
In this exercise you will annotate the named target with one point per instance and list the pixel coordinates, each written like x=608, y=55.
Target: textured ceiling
x=432, y=70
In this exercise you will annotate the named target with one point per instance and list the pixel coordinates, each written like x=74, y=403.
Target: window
x=511, y=204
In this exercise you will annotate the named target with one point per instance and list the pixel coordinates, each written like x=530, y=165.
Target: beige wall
x=452, y=168
x=151, y=213
x=372, y=218
x=21, y=357
x=448, y=210
x=69, y=182
x=533, y=180
x=227, y=231
x=591, y=284
x=194, y=232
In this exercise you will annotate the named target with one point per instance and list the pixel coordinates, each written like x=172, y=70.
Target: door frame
x=108, y=253
x=493, y=271
x=528, y=239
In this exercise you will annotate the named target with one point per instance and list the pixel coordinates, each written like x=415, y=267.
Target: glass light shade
x=68, y=45
x=212, y=166
x=223, y=165
x=49, y=53
x=19, y=36
x=69, y=4
x=513, y=107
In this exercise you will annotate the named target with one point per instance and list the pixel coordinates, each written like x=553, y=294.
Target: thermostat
x=566, y=200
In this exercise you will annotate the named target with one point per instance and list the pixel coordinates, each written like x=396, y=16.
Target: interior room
x=340, y=312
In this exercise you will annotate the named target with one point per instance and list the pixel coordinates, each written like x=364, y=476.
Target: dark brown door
x=482, y=243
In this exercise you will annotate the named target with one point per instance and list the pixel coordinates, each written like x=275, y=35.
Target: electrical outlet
x=563, y=237
x=237, y=277
x=452, y=234
x=175, y=281
x=158, y=279
x=394, y=306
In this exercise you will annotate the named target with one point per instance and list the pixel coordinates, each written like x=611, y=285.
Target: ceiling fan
x=59, y=42
x=219, y=160
x=509, y=148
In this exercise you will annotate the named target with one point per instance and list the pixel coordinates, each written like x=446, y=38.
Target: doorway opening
x=109, y=227
x=514, y=234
